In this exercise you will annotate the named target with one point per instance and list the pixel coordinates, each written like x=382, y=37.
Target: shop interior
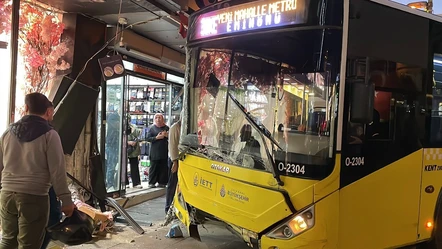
x=132, y=101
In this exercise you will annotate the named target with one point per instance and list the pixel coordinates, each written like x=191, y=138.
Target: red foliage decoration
x=40, y=42
x=213, y=61
x=5, y=16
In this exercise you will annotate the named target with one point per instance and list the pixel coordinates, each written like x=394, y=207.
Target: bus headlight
x=294, y=225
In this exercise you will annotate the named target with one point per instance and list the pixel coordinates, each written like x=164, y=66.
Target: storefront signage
x=247, y=17
x=149, y=72
x=112, y=67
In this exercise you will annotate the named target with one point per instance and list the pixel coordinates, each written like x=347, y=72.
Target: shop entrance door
x=113, y=133
x=132, y=102
x=145, y=99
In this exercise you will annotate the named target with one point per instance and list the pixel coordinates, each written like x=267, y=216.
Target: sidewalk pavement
x=153, y=212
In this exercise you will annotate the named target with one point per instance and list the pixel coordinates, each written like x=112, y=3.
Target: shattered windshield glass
x=295, y=108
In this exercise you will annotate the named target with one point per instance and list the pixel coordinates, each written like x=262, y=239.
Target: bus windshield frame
x=232, y=65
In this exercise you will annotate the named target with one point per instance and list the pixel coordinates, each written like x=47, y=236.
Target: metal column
x=14, y=58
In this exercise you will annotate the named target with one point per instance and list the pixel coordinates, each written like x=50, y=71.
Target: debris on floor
x=175, y=232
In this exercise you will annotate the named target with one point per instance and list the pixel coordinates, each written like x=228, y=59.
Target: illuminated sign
x=249, y=16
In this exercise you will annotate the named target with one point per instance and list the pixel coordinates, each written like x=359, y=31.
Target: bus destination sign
x=248, y=17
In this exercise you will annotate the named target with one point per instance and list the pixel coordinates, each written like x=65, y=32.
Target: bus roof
x=405, y=8
x=388, y=3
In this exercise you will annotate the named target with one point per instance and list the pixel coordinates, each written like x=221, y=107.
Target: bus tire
x=436, y=238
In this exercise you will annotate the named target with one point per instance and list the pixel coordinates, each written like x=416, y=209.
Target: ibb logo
x=222, y=192
x=195, y=180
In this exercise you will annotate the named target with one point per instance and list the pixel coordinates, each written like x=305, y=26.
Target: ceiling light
x=98, y=1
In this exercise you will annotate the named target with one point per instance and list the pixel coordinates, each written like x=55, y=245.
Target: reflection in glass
x=113, y=145
x=214, y=68
x=176, y=102
x=436, y=114
x=99, y=121
x=295, y=109
x=258, y=104
x=305, y=117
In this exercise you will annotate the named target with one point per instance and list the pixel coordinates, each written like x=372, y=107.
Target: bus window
x=305, y=110
x=396, y=126
x=210, y=105
x=436, y=101
x=252, y=83
x=289, y=99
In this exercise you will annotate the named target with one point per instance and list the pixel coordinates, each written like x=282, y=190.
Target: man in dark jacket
x=158, y=137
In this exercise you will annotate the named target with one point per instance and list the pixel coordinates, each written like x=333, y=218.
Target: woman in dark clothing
x=158, y=137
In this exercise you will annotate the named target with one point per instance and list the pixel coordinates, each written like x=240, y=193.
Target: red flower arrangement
x=40, y=42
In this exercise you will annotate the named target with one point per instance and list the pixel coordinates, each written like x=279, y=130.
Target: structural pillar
x=15, y=19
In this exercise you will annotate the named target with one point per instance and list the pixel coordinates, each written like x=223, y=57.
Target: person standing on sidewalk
x=55, y=215
x=174, y=139
x=133, y=153
x=158, y=137
x=31, y=159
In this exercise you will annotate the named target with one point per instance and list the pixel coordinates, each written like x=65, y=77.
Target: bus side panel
x=180, y=205
x=331, y=183
x=431, y=186
x=381, y=209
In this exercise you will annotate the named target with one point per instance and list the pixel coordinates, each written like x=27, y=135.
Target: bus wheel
x=436, y=240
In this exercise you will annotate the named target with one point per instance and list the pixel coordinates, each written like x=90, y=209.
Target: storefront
x=134, y=99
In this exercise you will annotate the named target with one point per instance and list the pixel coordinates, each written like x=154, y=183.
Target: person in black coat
x=158, y=137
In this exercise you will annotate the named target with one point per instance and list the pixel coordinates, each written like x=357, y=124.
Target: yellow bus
x=314, y=124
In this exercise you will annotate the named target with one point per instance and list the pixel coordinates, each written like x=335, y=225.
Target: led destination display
x=249, y=16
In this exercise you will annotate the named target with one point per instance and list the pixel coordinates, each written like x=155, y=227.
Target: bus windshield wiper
x=263, y=132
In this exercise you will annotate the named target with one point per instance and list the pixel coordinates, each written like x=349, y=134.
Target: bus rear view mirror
x=361, y=101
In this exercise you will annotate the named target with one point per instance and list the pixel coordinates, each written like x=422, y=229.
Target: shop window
x=113, y=133
x=5, y=67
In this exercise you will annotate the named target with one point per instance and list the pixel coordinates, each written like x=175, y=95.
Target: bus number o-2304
x=354, y=161
x=291, y=168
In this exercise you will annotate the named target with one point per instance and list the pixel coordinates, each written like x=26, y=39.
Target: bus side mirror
x=361, y=101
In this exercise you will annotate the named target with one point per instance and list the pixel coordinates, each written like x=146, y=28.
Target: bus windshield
x=285, y=81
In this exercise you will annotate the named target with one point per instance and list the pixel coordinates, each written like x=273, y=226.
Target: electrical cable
x=99, y=51
x=118, y=22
